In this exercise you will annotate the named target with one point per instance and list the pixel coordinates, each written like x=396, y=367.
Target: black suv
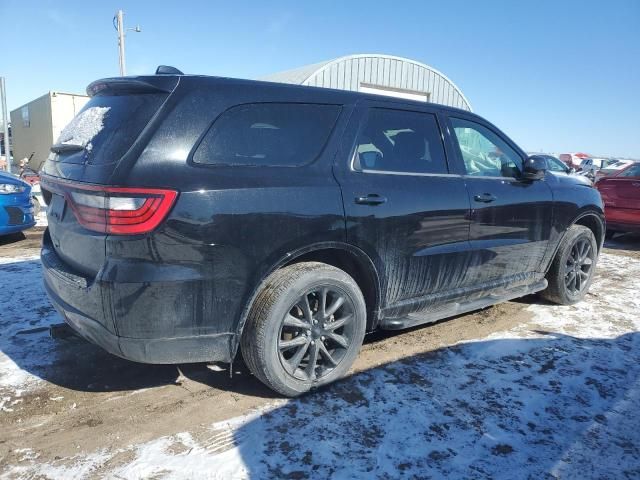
x=192, y=216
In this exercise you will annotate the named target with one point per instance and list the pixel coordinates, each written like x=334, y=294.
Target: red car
x=621, y=196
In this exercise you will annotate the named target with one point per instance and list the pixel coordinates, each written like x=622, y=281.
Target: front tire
x=305, y=328
x=573, y=267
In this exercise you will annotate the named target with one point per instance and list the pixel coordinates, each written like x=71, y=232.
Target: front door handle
x=484, y=198
x=371, y=199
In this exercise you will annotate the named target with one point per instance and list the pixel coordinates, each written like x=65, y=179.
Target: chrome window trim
x=515, y=179
x=392, y=172
x=407, y=174
x=418, y=174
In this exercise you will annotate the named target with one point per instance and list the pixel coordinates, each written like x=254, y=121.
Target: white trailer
x=36, y=125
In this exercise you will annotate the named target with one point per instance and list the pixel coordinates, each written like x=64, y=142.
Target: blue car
x=16, y=210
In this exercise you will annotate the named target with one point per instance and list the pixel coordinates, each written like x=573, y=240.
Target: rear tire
x=305, y=328
x=573, y=267
x=36, y=206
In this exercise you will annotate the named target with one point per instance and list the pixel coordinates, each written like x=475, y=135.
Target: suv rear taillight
x=115, y=210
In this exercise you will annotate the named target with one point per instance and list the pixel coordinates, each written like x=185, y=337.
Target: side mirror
x=571, y=170
x=535, y=168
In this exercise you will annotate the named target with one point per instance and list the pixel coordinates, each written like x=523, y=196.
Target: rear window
x=274, y=134
x=107, y=127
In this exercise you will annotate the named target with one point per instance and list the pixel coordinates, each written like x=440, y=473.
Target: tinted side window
x=283, y=134
x=633, y=171
x=400, y=141
x=484, y=153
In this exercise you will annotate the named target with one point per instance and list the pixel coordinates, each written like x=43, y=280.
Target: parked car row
x=573, y=160
x=590, y=166
x=612, y=169
x=554, y=164
x=618, y=181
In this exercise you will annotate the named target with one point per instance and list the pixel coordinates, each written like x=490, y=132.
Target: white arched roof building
x=381, y=74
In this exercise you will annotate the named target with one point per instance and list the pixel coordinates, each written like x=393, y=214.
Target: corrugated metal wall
x=349, y=73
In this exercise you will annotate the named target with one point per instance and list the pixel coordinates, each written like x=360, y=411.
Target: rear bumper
x=82, y=305
x=623, y=227
x=201, y=348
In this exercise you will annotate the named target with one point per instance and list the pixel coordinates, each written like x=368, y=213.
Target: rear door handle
x=371, y=199
x=484, y=198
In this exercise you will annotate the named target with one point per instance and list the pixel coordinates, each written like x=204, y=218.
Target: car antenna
x=167, y=70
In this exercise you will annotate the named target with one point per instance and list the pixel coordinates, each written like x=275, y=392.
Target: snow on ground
x=25, y=316
x=557, y=397
x=41, y=218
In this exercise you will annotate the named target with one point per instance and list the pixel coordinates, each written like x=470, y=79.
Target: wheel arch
x=590, y=218
x=558, y=290
x=593, y=220
x=344, y=256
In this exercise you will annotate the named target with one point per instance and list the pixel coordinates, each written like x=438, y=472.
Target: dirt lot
x=64, y=402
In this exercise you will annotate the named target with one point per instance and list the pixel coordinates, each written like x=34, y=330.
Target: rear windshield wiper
x=66, y=147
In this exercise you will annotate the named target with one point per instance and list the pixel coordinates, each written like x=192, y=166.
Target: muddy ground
x=88, y=400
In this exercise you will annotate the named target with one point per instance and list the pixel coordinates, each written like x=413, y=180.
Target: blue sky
x=555, y=75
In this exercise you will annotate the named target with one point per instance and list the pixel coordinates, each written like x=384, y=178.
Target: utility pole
x=5, y=122
x=118, y=23
x=120, y=28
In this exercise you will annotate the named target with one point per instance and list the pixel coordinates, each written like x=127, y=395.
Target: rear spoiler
x=133, y=85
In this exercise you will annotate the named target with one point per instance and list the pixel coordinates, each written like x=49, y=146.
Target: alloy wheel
x=579, y=266
x=316, y=333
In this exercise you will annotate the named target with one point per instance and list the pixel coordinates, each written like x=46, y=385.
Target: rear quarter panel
x=214, y=250
x=229, y=227
x=621, y=196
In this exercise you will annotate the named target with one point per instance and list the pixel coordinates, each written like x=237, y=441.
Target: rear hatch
x=107, y=134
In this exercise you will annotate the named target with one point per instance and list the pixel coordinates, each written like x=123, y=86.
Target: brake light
x=117, y=210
